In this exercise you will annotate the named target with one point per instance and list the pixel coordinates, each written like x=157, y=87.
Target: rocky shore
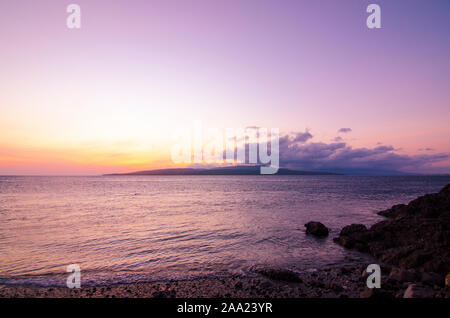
x=414, y=243
x=335, y=282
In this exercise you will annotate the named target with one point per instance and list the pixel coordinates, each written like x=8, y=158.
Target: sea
x=128, y=229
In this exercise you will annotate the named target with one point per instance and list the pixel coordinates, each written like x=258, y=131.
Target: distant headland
x=233, y=170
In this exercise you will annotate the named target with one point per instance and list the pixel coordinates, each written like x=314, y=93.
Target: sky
x=107, y=97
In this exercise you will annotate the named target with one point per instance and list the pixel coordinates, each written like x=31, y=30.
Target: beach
x=327, y=283
x=344, y=282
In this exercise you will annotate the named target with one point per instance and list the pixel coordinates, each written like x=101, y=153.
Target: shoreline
x=335, y=282
x=348, y=281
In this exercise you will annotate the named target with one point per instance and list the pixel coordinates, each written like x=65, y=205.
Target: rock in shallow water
x=317, y=229
x=354, y=236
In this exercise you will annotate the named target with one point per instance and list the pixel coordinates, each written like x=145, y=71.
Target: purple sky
x=107, y=97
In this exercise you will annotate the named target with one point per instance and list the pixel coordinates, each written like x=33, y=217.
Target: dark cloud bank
x=297, y=153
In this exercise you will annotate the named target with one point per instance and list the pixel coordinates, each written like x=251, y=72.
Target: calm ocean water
x=145, y=228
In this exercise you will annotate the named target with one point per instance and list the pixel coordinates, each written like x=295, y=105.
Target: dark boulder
x=354, y=236
x=317, y=229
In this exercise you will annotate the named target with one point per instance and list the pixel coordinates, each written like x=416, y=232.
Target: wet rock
x=416, y=235
x=354, y=236
x=418, y=291
x=316, y=229
x=280, y=274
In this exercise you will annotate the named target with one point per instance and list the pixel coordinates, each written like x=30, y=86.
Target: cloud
x=302, y=137
x=341, y=157
x=298, y=152
x=344, y=130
